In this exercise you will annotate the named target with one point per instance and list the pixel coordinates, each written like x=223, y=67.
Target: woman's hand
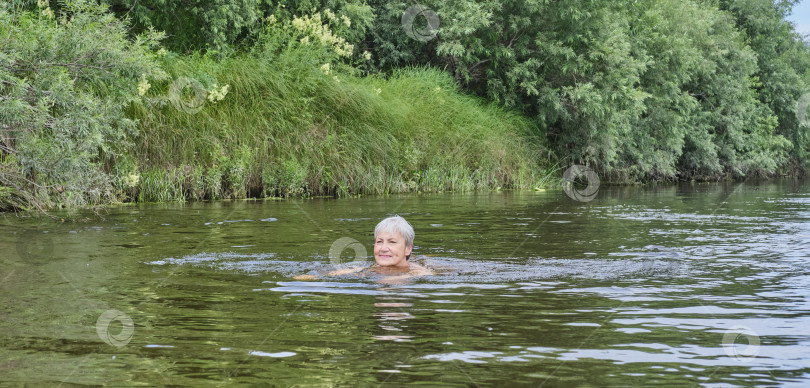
x=339, y=272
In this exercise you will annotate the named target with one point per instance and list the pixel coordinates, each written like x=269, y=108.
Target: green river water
x=677, y=285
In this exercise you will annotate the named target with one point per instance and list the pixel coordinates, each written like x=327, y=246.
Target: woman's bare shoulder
x=419, y=270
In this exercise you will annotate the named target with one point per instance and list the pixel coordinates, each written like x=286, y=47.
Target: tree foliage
x=639, y=90
x=783, y=64
x=65, y=79
x=222, y=25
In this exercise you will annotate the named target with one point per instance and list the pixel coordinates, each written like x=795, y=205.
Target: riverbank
x=289, y=127
x=119, y=120
x=340, y=102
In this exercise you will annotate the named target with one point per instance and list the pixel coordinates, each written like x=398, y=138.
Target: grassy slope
x=286, y=128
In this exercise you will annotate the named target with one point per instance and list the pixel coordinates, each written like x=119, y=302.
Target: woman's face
x=390, y=250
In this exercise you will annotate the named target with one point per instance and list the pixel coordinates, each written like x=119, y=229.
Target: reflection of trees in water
x=390, y=317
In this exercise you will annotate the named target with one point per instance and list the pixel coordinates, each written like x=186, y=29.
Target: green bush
x=65, y=80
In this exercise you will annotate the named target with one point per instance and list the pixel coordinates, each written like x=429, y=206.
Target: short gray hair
x=396, y=224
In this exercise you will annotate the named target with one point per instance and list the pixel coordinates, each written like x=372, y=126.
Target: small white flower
x=326, y=68
x=132, y=180
x=299, y=24
x=218, y=94
x=143, y=86
x=223, y=91
x=367, y=55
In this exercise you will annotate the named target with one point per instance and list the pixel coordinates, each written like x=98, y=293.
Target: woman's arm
x=346, y=271
x=339, y=272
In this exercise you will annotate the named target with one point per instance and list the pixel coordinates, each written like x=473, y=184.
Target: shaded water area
x=705, y=284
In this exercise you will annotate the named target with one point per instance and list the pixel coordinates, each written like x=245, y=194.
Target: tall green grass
x=288, y=129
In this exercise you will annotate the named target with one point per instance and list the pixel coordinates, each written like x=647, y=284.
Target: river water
x=704, y=284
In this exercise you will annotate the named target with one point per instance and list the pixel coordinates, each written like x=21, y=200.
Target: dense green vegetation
x=63, y=84
x=167, y=99
x=288, y=128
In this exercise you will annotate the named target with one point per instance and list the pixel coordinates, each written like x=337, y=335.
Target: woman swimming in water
x=393, y=243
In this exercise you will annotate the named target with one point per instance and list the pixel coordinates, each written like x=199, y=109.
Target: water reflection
x=391, y=308
x=391, y=315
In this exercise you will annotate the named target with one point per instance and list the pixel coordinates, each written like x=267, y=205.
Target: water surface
x=703, y=284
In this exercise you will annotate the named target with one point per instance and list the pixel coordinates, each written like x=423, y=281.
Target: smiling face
x=390, y=250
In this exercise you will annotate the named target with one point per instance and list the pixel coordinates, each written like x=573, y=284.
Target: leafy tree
x=783, y=61
x=703, y=118
x=65, y=80
x=569, y=65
